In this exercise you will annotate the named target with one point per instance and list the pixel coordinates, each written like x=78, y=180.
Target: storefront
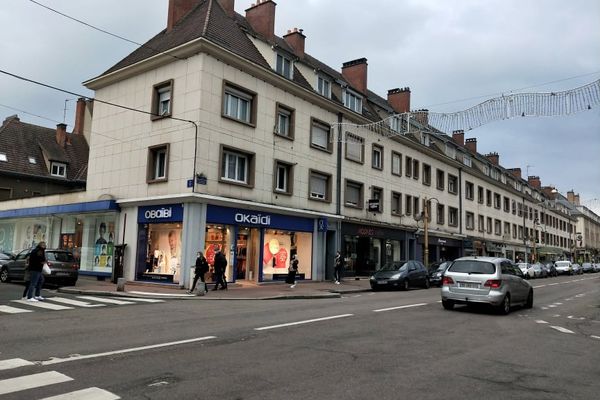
x=494, y=249
x=259, y=246
x=442, y=248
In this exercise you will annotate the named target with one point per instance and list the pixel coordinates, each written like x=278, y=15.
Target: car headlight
x=439, y=274
x=395, y=276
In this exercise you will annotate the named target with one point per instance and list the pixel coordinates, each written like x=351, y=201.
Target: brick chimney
x=471, y=145
x=355, y=72
x=177, y=10
x=534, y=181
x=13, y=117
x=296, y=39
x=494, y=158
x=516, y=172
x=458, y=137
x=261, y=16
x=61, y=134
x=399, y=99
x=79, y=116
x=422, y=116
x=571, y=196
x=577, y=200
x=228, y=6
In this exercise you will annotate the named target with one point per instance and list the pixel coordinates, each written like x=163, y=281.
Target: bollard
x=120, y=284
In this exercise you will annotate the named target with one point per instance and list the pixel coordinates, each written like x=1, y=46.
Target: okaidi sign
x=160, y=213
x=236, y=216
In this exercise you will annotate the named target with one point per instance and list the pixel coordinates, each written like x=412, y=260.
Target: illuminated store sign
x=160, y=213
x=236, y=216
x=253, y=219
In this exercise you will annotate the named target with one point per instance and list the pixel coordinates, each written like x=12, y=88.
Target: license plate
x=62, y=274
x=382, y=282
x=469, y=285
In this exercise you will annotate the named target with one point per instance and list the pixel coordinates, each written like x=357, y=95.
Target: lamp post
x=426, y=203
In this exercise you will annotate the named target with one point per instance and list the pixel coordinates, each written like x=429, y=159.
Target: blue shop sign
x=161, y=213
x=236, y=216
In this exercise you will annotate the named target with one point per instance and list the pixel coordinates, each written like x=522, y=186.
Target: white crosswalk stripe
x=105, y=300
x=141, y=300
x=12, y=310
x=32, y=381
x=67, y=303
x=43, y=304
x=73, y=302
x=13, y=363
x=92, y=393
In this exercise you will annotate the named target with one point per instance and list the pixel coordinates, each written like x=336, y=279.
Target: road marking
x=577, y=318
x=595, y=337
x=141, y=299
x=553, y=284
x=32, y=381
x=541, y=321
x=123, y=351
x=74, y=302
x=544, y=308
x=561, y=329
x=308, y=321
x=13, y=363
x=105, y=300
x=400, y=307
x=41, y=304
x=92, y=393
x=537, y=287
x=552, y=305
x=558, y=304
x=183, y=294
x=13, y=310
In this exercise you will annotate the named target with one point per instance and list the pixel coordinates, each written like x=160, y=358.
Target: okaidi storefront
x=259, y=245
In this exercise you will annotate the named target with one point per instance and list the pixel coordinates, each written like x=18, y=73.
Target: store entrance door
x=247, y=255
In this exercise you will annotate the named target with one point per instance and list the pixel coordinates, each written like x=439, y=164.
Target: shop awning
x=92, y=206
x=550, y=250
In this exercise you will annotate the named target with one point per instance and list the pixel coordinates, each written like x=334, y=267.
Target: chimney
x=79, y=116
x=177, y=10
x=296, y=39
x=571, y=196
x=261, y=16
x=422, y=116
x=458, y=137
x=355, y=72
x=577, y=200
x=471, y=145
x=399, y=99
x=534, y=181
x=228, y=6
x=494, y=158
x=516, y=172
x=61, y=134
x=13, y=117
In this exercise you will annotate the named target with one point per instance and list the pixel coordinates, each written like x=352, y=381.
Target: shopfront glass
x=220, y=237
x=162, y=252
x=279, y=247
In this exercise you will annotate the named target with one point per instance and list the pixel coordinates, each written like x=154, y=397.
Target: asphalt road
x=384, y=345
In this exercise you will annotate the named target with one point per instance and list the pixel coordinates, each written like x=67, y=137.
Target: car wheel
x=427, y=284
x=405, y=284
x=448, y=304
x=529, y=303
x=4, y=275
x=504, y=308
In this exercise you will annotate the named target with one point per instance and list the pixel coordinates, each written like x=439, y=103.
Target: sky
x=453, y=54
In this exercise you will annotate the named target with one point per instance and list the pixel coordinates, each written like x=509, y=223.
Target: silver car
x=486, y=280
x=564, y=267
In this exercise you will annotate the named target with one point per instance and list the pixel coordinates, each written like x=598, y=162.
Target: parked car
x=527, y=270
x=597, y=267
x=400, y=274
x=564, y=267
x=551, y=269
x=539, y=271
x=65, y=269
x=5, y=257
x=577, y=270
x=587, y=267
x=436, y=272
x=486, y=280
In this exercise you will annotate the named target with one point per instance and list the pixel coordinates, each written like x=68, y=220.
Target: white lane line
x=552, y=305
x=41, y=304
x=595, y=337
x=32, y=381
x=13, y=363
x=537, y=287
x=577, y=318
x=140, y=299
x=541, y=321
x=308, y=321
x=558, y=304
x=561, y=329
x=13, y=310
x=553, y=284
x=105, y=300
x=74, y=302
x=123, y=351
x=92, y=393
x=400, y=307
x=183, y=294
x=544, y=308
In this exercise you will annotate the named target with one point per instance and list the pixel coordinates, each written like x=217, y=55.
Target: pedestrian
x=338, y=268
x=292, y=271
x=27, y=279
x=37, y=258
x=220, y=267
x=200, y=270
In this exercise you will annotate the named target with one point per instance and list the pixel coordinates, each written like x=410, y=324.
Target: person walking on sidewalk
x=200, y=270
x=220, y=268
x=292, y=271
x=338, y=267
x=37, y=258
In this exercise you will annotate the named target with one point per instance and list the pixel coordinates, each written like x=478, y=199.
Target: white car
x=527, y=270
x=564, y=267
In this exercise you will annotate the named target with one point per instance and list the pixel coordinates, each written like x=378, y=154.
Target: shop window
x=355, y=148
x=396, y=205
x=470, y=220
x=284, y=177
x=58, y=169
x=284, y=126
x=396, y=163
x=319, y=186
x=239, y=104
x=320, y=136
x=377, y=157
x=237, y=167
x=452, y=216
x=278, y=249
x=353, y=194
x=158, y=162
x=426, y=174
x=162, y=100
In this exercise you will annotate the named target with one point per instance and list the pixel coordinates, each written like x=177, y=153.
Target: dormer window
x=424, y=139
x=58, y=169
x=395, y=123
x=450, y=151
x=324, y=86
x=486, y=170
x=352, y=101
x=32, y=160
x=495, y=174
x=3, y=157
x=467, y=160
x=284, y=66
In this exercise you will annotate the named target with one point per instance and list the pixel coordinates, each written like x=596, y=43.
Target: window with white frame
x=319, y=186
x=396, y=163
x=284, y=126
x=425, y=139
x=324, y=86
x=3, y=157
x=467, y=160
x=480, y=223
x=238, y=104
x=162, y=100
x=284, y=66
x=236, y=166
x=320, y=136
x=377, y=157
x=283, y=177
x=58, y=169
x=486, y=170
x=352, y=101
x=452, y=216
x=355, y=147
x=495, y=174
x=450, y=151
x=395, y=123
x=158, y=162
x=396, y=205
x=353, y=194
x=470, y=220
x=497, y=227
x=452, y=184
x=469, y=190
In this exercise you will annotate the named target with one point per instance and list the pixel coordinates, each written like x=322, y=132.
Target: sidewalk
x=236, y=291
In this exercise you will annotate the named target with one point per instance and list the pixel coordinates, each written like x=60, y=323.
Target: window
x=377, y=157
x=440, y=179
x=408, y=203
x=158, y=163
x=238, y=104
x=488, y=198
x=489, y=225
x=467, y=160
x=324, y=86
x=497, y=227
x=161, y=100
x=352, y=101
x=284, y=178
x=441, y=214
x=237, y=166
x=480, y=195
x=32, y=160
x=506, y=204
x=426, y=174
x=452, y=216
x=470, y=220
x=396, y=203
x=377, y=194
x=408, y=166
x=396, y=163
x=450, y=151
x=415, y=169
x=497, y=201
x=506, y=230
x=495, y=174
x=480, y=223
x=469, y=190
x=3, y=157
x=425, y=139
x=416, y=207
x=320, y=135
x=452, y=184
x=355, y=147
x=514, y=207
x=58, y=169
x=354, y=194
x=284, y=125
x=284, y=66
x=319, y=186
x=395, y=123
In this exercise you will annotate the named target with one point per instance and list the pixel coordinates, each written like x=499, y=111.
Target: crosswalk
x=59, y=303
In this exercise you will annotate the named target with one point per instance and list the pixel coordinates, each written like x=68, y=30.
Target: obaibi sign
x=161, y=213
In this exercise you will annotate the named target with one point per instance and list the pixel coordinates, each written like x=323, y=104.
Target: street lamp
x=426, y=203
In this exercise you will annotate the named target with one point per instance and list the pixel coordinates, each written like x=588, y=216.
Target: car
x=564, y=267
x=5, y=258
x=436, y=272
x=400, y=275
x=486, y=280
x=587, y=267
x=527, y=270
x=539, y=271
x=597, y=267
x=551, y=268
x=577, y=270
x=63, y=265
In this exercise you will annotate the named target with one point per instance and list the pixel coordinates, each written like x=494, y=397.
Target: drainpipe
x=338, y=181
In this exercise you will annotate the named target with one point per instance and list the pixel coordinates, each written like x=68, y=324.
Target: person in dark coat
x=338, y=268
x=292, y=271
x=220, y=267
x=200, y=270
x=37, y=258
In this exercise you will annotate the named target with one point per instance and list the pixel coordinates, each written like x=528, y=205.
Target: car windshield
x=442, y=267
x=397, y=266
x=61, y=256
x=562, y=263
x=473, y=267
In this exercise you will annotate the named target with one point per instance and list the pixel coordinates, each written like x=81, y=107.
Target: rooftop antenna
x=65, y=110
x=527, y=169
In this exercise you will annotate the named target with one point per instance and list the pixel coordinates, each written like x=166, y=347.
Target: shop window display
x=219, y=237
x=278, y=249
x=163, y=256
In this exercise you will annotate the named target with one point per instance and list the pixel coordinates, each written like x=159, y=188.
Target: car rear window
x=472, y=267
x=61, y=256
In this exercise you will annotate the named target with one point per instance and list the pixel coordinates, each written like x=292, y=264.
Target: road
x=383, y=345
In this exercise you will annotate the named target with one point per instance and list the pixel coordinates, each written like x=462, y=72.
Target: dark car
x=587, y=267
x=400, y=274
x=63, y=265
x=5, y=258
x=551, y=268
x=436, y=272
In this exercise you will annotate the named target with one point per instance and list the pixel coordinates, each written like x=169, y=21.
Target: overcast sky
x=452, y=54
